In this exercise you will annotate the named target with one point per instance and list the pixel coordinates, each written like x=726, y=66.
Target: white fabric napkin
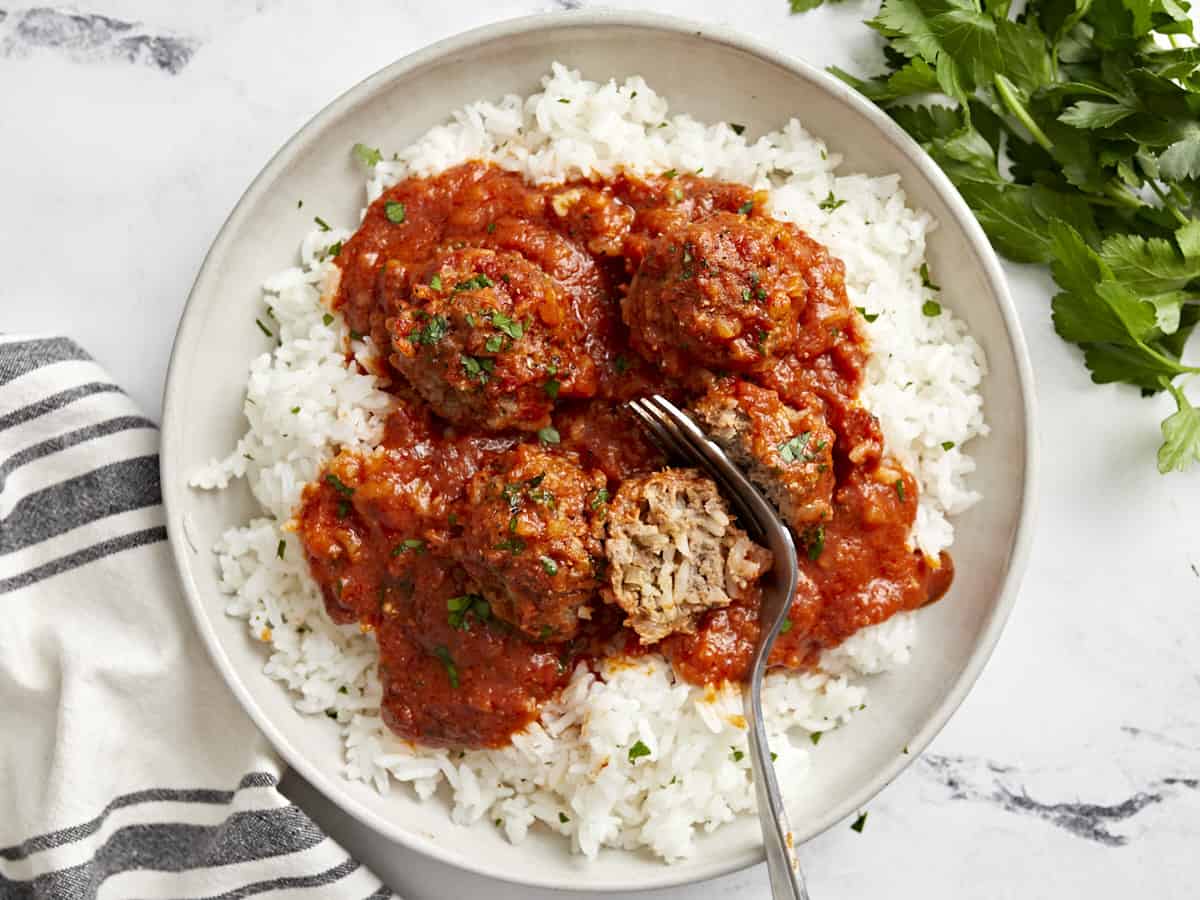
x=127, y=769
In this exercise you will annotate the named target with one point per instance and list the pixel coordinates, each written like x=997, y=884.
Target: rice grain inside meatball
x=674, y=552
x=786, y=451
x=532, y=539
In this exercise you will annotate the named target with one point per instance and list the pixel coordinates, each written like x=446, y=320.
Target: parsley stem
x=1122, y=195
x=1167, y=204
x=1008, y=94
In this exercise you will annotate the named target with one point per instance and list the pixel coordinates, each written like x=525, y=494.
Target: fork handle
x=783, y=868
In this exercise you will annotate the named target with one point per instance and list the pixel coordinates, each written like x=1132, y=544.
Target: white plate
x=713, y=75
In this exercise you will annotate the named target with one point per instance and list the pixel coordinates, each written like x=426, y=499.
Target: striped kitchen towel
x=127, y=769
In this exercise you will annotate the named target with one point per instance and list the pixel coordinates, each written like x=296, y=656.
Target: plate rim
x=174, y=481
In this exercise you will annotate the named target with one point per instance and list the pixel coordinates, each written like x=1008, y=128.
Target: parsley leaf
x=369, y=156
x=395, y=212
x=638, y=750
x=830, y=203
x=1181, y=435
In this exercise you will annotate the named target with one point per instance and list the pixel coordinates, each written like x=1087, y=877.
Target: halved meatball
x=726, y=292
x=531, y=538
x=674, y=552
x=484, y=336
x=787, y=451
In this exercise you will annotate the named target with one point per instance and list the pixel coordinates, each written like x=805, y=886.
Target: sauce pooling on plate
x=512, y=321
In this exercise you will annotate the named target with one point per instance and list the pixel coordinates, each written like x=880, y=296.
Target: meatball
x=532, y=530
x=675, y=553
x=726, y=292
x=786, y=451
x=452, y=676
x=485, y=338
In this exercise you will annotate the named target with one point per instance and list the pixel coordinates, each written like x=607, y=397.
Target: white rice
x=571, y=771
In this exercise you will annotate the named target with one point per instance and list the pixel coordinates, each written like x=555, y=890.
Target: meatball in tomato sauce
x=726, y=292
x=532, y=539
x=480, y=333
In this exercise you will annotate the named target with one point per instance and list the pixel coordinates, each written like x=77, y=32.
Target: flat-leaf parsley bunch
x=1072, y=129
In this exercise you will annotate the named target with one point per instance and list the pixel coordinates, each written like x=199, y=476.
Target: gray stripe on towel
x=116, y=488
x=55, y=401
x=22, y=357
x=152, y=795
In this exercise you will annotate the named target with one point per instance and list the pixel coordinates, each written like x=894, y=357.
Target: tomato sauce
x=471, y=540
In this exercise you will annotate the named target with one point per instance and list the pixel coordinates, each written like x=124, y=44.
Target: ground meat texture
x=485, y=338
x=532, y=529
x=787, y=451
x=726, y=292
x=674, y=552
x=452, y=675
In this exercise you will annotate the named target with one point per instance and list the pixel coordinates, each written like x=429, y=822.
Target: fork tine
x=666, y=438
x=663, y=421
x=752, y=507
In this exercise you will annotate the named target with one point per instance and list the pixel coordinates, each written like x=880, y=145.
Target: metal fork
x=678, y=435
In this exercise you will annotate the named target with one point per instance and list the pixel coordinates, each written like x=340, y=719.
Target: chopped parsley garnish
x=746, y=207
x=448, y=662
x=600, y=499
x=549, y=566
x=321, y=223
x=830, y=203
x=870, y=317
x=458, y=608
x=436, y=282
x=638, y=750
x=327, y=318
x=470, y=320
x=563, y=100
x=338, y=485
x=263, y=328
x=786, y=626
x=899, y=486
x=947, y=445
x=281, y=549
x=621, y=364
x=431, y=332
x=479, y=368
x=931, y=308
x=493, y=344
x=548, y=435
x=813, y=540
x=737, y=129
x=926, y=281
x=736, y=755
x=670, y=173
x=474, y=283
x=512, y=545
x=333, y=250
x=368, y=155
x=562, y=817
x=509, y=326
x=815, y=737
x=414, y=545
x=295, y=410
x=551, y=388
x=544, y=632
x=343, y=509
x=796, y=449
x=774, y=756
x=299, y=204
x=394, y=211
x=860, y=822
x=355, y=335
x=491, y=228
x=677, y=194
x=746, y=294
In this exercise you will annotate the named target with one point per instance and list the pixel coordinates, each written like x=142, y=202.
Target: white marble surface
x=1071, y=769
